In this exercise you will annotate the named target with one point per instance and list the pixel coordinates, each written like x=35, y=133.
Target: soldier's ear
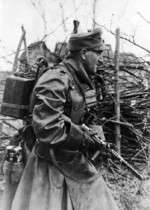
x=83, y=53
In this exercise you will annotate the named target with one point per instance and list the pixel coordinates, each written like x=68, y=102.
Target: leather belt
x=42, y=150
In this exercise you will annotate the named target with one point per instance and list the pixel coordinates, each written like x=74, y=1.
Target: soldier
x=59, y=175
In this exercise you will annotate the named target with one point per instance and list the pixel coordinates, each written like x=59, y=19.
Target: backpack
x=18, y=90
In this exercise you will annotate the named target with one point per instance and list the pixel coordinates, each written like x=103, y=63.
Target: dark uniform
x=58, y=175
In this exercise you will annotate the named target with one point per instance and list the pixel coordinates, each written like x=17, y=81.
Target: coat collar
x=78, y=68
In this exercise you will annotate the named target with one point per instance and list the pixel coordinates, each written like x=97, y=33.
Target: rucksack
x=18, y=90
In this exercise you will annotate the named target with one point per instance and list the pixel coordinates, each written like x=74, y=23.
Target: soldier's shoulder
x=57, y=72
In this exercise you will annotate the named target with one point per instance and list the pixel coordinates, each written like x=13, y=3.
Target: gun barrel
x=139, y=176
x=106, y=146
x=125, y=163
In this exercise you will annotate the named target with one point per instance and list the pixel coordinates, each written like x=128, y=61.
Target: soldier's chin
x=93, y=72
x=95, y=69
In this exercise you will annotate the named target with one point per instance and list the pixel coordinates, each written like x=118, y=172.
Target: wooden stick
x=121, y=123
x=75, y=26
x=10, y=124
x=117, y=93
x=17, y=52
x=25, y=46
x=6, y=118
x=1, y=128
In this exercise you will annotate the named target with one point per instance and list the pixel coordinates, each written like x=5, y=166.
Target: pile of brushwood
x=134, y=109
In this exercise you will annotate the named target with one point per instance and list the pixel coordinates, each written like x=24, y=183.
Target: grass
x=129, y=192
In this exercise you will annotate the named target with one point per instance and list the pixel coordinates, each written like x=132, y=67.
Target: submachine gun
x=90, y=118
x=107, y=147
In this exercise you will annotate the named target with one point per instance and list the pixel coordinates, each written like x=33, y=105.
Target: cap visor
x=102, y=48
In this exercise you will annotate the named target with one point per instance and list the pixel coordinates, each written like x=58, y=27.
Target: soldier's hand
x=88, y=142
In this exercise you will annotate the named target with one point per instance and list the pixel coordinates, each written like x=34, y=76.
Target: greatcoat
x=58, y=175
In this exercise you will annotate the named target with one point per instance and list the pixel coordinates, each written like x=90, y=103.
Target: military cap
x=89, y=40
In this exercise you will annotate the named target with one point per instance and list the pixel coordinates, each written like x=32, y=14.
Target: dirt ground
x=129, y=192
x=136, y=197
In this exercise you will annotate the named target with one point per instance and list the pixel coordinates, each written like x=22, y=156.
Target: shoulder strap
x=69, y=68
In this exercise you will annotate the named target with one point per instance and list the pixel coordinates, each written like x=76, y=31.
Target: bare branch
x=124, y=38
x=111, y=21
x=6, y=48
x=94, y=12
x=42, y=15
x=143, y=17
x=74, y=4
x=63, y=17
x=62, y=22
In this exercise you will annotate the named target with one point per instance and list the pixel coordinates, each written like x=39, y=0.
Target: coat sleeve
x=50, y=124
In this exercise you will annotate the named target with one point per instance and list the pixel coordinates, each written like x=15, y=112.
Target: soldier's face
x=91, y=60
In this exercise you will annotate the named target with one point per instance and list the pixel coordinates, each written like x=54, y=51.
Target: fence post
x=117, y=93
x=1, y=129
x=15, y=65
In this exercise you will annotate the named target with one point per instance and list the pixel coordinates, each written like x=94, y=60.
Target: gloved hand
x=88, y=143
x=103, y=154
x=112, y=146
